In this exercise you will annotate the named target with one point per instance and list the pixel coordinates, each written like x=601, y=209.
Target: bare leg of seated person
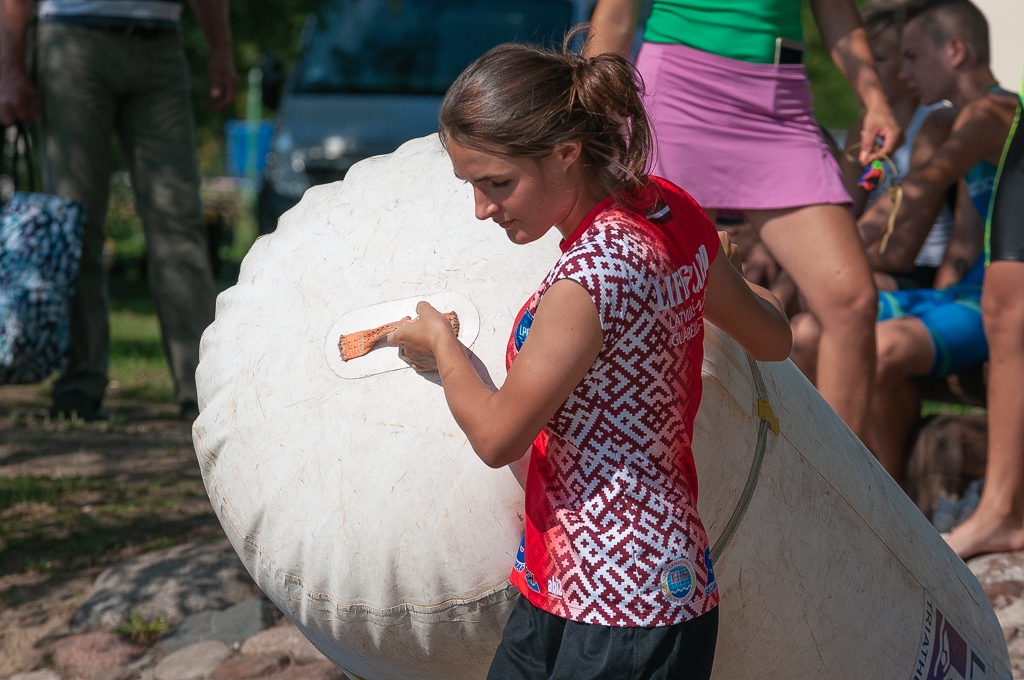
x=819, y=247
x=904, y=353
x=806, y=336
x=998, y=523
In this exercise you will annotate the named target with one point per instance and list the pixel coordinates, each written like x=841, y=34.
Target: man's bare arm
x=613, y=24
x=979, y=133
x=18, y=102
x=965, y=241
x=220, y=67
x=842, y=31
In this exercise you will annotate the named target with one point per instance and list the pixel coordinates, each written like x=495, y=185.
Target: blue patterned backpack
x=40, y=247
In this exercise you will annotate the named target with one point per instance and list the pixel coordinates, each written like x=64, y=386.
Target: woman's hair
x=885, y=15
x=518, y=100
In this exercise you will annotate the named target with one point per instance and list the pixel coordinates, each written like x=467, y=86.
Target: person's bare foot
x=986, y=532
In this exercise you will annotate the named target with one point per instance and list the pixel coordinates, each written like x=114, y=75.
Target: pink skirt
x=735, y=134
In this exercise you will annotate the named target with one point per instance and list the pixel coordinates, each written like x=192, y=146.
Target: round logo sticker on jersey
x=679, y=581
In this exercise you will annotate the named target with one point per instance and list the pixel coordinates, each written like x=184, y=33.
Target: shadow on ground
x=78, y=497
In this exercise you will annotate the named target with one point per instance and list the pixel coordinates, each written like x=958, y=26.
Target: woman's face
x=524, y=196
x=885, y=49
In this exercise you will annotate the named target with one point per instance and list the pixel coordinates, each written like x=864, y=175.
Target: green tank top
x=737, y=29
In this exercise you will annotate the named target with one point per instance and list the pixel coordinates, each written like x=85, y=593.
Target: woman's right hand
x=417, y=341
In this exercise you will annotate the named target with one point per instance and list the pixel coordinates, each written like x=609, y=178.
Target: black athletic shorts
x=921, y=277
x=1006, y=227
x=537, y=645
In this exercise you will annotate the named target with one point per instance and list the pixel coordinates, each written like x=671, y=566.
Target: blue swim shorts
x=953, y=319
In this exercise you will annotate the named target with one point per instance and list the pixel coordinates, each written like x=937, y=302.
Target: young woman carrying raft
x=604, y=366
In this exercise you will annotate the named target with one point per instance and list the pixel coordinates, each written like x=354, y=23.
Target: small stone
x=1016, y=647
x=321, y=670
x=234, y=624
x=44, y=674
x=285, y=639
x=195, y=662
x=91, y=654
x=119, y=673
x=251, y=666
x=1012, y=616
x=1003, y=593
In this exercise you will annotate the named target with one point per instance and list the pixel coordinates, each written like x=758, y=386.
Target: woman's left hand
x=879, y=123
x=416, y=341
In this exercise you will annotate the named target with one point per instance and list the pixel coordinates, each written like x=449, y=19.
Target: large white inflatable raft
x=359, y=508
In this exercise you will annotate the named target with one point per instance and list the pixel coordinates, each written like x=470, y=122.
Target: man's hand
x=18, y=101
x=220, y=68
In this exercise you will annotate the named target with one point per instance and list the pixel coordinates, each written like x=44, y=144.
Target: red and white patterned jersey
x=612, y=533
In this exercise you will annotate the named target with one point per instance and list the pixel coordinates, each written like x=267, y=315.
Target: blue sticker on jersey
x=522, y=329
x=521, y=555
x=712, y=585
x=532, y=581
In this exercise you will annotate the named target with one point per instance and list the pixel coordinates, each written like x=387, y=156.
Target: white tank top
x=934, y=247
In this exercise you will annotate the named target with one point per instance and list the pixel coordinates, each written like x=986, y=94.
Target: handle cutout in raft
x=385, y=359
x=359, y=344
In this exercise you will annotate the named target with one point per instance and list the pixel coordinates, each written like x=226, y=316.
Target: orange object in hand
x=354, y=345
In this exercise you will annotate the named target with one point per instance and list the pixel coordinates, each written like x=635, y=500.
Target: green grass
x=943, y=408
x=141, y=630
x=137, y=360
x=49, y=525
x=14, y=490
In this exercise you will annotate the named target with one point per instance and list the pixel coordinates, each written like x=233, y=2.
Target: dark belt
x=143, y=32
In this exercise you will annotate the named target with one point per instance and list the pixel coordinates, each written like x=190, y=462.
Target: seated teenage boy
x=936, y=332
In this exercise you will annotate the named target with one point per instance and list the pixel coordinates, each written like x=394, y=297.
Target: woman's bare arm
x=563, y=344
x=842, y=31
x=612, y=26
x=747, y=312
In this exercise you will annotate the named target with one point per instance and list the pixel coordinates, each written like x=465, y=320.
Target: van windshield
x=417, y=46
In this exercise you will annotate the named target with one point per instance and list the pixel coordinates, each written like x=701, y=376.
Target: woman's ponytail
x=523, y=101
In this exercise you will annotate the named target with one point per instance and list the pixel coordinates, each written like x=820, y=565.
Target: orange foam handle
x=354, y=345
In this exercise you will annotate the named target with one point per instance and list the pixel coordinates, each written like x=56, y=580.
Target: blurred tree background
x=274, y=27
x=259, y=27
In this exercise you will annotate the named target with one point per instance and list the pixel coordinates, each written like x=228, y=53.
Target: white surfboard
x=357, y=505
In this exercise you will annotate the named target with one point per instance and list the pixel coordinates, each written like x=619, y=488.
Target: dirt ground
x=78, y=497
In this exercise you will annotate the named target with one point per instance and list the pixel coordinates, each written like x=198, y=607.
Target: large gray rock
x=234, y=624
x=171, y=584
